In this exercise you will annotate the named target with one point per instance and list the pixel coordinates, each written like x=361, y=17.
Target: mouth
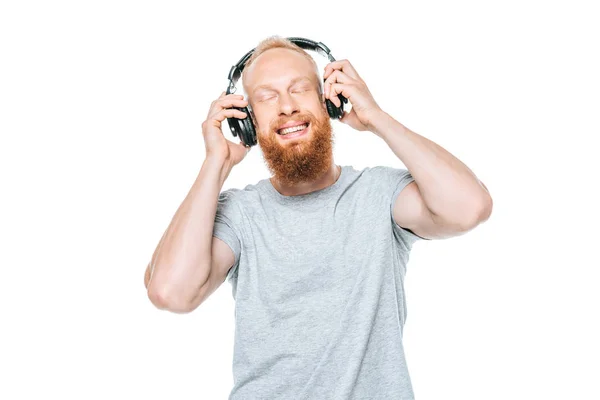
x=294, y=132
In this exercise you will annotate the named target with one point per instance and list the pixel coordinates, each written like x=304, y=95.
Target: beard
x=302, y=159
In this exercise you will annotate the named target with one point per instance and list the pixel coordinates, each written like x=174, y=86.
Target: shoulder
x=239, y=198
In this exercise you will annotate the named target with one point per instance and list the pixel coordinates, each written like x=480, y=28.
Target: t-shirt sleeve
x=399, y=178
x=226, y=227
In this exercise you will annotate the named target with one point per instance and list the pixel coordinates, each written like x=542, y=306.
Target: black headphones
x=244, y=127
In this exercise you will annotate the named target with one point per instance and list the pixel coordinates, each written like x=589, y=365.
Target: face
x=283, y=90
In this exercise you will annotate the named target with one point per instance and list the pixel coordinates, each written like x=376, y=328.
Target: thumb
x=349, y=118
x=239, y=152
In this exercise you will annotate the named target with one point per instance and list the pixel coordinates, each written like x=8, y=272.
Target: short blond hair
x=279, y=42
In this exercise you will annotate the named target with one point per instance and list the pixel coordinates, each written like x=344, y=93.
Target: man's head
x=283, y=87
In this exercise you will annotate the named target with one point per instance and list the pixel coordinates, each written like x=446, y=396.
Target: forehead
x=278, y=67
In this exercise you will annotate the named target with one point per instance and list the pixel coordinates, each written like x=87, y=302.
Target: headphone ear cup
x=248, y=129
x=243, y=127
x=334, y=111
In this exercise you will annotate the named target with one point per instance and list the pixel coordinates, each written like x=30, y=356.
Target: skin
x=298, y=165
x=446, y=199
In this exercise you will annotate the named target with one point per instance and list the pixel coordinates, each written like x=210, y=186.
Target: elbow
x=486, y=204
x=480, y=212
x=466, y=219
x=485, y=209
x=164, y=299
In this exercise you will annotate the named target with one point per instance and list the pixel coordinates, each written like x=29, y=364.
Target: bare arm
x=181, y=263
x=188, y=264
x=446, y=199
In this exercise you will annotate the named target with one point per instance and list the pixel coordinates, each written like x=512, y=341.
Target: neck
x=328, y=178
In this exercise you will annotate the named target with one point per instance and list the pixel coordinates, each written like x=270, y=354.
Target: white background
x=101, y=106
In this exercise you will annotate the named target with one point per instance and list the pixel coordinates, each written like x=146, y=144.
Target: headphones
x=244, y=127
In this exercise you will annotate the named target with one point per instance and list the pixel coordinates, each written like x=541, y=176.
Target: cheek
x=265, y=119
x=261, y=122
x=263, y=126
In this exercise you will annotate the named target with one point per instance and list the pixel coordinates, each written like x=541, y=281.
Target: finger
x=351, y=119
x=227, y=113
x=339, y=88
x=224, y=95
x=336, y=101
x=236, y=101
x=333, y=97
x=338, y=76
x=214, y=104
x=230, y=96
x=329, y=68
x=342, y=65
x=228, y=102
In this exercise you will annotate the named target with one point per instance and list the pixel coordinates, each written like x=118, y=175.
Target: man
x=316, y=254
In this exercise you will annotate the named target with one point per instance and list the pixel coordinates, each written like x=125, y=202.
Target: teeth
x=292, y=129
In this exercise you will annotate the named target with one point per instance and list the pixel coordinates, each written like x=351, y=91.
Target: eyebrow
x=295, y=80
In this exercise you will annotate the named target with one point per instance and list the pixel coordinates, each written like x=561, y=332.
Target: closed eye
x=266, y=98
x=301, y=90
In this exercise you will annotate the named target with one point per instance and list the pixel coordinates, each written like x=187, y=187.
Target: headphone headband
x=244, y=127
x=236, y=71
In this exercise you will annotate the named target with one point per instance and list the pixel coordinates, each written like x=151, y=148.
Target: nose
x=287, y=105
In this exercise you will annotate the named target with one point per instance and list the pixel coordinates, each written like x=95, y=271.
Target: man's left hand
x=341, y=78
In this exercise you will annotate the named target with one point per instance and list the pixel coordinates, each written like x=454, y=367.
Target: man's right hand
x=217, y=147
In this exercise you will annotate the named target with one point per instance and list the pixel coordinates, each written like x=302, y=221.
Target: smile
x=294, y=132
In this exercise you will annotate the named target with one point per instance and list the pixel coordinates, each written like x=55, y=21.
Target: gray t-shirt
x=318, y=283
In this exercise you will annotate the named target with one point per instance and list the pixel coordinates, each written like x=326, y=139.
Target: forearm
x=181, y=262
x=450, y=190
